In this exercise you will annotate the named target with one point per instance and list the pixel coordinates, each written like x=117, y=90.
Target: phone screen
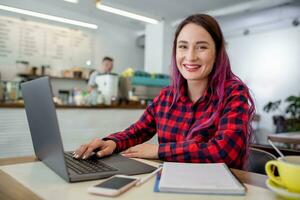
x=115, y=183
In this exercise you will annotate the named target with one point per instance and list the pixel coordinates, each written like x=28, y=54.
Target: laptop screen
x=43, y=124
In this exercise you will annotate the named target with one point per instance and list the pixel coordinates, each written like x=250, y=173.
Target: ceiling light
x=49, y=17
x=72, y=1
x=126, y=14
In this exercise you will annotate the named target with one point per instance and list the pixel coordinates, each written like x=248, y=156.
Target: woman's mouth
x=191, y=67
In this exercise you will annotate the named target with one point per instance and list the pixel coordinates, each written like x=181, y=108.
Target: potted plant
x=289, y=120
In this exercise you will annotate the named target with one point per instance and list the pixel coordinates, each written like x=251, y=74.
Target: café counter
x=77, y=124
x=130, y=105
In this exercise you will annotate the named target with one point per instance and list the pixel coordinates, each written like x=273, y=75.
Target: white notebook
x=208, y=178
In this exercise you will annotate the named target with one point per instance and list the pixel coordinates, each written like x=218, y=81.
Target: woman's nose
x=191, y=54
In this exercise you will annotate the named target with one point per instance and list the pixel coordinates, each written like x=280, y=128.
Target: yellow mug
x=288, y=172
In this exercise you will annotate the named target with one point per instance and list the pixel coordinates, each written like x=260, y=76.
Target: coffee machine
x=108, y=86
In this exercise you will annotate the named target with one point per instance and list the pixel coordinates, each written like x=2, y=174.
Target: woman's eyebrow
x=202, y=42
x=182, y=41
x=198, y=42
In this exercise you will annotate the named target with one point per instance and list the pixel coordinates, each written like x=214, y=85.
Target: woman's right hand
x=104, y=147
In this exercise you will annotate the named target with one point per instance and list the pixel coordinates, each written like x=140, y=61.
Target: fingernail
x=73, y=152
x=99, y=154
x=76, y=156
x=84, y=157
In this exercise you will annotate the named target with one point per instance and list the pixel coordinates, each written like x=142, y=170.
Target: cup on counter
x=288, y=172
x=11, y=91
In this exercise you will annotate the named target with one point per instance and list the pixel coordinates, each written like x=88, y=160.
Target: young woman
x=203, y=117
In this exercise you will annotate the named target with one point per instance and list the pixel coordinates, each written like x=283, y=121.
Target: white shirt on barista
x=92, y=80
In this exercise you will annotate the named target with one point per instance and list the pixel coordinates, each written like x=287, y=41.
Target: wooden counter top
x=131, y=105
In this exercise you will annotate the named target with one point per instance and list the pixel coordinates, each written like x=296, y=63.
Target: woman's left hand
x=144, y=150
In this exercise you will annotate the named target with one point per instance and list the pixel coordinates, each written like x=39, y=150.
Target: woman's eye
x=182, y=46
x=202, y=47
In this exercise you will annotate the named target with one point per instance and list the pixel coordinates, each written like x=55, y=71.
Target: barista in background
x=105, y=68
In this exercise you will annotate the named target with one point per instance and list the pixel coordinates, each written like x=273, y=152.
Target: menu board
x=8, y=35
x=44, y=44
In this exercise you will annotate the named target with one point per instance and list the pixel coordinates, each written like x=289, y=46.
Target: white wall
x=154, y=47
x=168, y=45
x=158, y=47
x=268, y=62
x=119, y=43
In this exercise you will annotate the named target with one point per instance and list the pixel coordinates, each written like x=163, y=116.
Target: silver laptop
x=48, y=146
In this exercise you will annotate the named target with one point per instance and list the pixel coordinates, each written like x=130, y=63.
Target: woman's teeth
x=191, y=66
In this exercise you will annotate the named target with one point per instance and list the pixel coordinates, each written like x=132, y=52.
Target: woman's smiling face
x=195, y=52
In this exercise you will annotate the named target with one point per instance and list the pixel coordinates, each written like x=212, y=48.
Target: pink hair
x=220, y=73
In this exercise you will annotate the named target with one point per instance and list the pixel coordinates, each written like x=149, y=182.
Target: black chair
x=257, y=160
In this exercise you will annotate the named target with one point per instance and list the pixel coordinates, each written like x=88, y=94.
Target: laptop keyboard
x=87, y=166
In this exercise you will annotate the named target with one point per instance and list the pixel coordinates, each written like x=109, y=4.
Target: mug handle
x=270, y=172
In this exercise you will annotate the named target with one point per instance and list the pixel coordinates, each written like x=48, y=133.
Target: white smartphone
x=114, y=185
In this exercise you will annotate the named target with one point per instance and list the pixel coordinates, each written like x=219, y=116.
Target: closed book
x=202, y=178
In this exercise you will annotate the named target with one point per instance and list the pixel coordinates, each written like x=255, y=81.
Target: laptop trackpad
x=127, y=166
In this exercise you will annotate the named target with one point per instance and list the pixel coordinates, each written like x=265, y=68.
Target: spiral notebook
x=210, y=178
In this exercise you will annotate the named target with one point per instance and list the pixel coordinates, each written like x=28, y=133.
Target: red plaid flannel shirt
x=224, y=141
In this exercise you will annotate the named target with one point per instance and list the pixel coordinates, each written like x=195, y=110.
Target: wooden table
x=12, y=189
x=292, y=138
